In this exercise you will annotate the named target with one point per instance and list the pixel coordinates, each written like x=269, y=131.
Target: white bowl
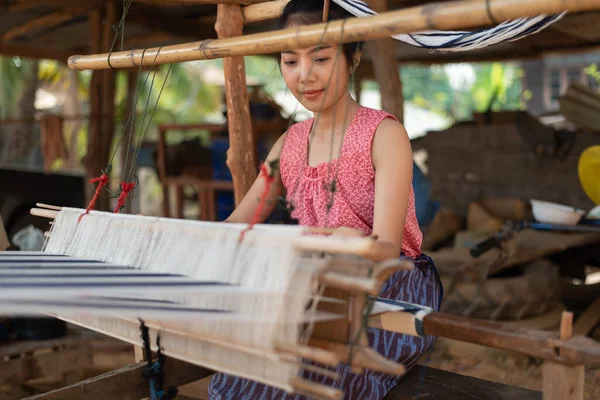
x=594, y=213
x=552, y=213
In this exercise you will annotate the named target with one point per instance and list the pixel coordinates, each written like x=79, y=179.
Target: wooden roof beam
x=179, y=3
x=24, y=5
x=45, y=21
x=32, y=52
x=175, y=27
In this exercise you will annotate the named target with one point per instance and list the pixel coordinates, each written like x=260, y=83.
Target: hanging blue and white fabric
x=507, y=31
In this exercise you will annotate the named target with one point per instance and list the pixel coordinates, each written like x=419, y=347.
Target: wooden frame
x=206, y=188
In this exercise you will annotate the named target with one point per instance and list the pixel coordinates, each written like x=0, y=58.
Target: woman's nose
x=306, y=71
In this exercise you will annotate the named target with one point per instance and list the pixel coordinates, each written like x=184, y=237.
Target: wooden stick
x=535, y=343
x=364, y=247
x=263, y=11
x=361, y=357
x=48, y=206
x=319, y=355
x=443, y=16
x=40, y=212
x=325, y=10
x=566, y=325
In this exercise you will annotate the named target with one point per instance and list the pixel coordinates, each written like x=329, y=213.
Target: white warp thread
x=275, y=281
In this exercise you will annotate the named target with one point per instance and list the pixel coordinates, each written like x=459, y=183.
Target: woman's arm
x=392, y=159
x=244, y=212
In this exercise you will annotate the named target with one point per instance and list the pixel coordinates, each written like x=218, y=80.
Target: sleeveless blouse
x=352, y=203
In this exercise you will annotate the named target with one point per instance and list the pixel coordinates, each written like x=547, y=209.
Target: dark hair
x=306, y=12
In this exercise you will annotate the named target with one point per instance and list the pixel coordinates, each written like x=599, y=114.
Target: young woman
x=364, y=184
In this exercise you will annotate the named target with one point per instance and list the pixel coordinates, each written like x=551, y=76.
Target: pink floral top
x=352, y=204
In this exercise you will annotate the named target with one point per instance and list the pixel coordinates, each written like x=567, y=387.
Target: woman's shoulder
x=299, y=130
x=301, y=126
x=377, y=114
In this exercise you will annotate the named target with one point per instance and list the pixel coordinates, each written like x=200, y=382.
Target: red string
x=126, y=187
x=269, y=179
x=102, y=180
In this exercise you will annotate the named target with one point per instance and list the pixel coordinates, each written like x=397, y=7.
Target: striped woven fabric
x=506, y=31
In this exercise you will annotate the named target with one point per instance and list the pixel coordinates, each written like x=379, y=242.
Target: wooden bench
x=420, y=383
x=435, y=384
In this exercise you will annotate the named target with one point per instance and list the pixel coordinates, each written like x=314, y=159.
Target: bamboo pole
x=444, y=16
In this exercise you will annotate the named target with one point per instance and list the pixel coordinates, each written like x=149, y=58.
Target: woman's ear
x=355, y=61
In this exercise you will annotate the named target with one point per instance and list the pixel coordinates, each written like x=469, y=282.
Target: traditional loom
x=249, y=306
x=262, y=313
x=262, y=302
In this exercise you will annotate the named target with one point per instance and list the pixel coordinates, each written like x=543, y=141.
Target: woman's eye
x=322, y=59
x=289, y=62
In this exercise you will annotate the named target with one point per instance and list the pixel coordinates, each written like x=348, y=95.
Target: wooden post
x=102, y=99
x=559, y=381
x=95, y=124
x=386, y=69
x=240, y=156
x=127, y=151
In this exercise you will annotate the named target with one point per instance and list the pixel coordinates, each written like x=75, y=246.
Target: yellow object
x=589, y=172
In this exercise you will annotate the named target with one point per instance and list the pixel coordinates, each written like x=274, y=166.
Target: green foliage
x=13, y=70
x=431, y=87
x=592, y=71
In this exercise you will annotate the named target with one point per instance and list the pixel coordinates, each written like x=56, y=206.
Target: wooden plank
x=562, y=382
x=588, y=320
x=434, y=384
x=126, y=383
x=241, y=156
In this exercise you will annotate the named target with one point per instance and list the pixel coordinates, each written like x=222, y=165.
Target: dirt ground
x=499, y=366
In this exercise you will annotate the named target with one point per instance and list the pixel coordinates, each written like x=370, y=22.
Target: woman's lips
x=312, y=94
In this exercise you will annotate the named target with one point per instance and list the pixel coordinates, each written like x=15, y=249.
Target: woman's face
x=317, y=76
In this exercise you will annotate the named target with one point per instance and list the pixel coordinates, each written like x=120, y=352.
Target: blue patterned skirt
x=421, y=285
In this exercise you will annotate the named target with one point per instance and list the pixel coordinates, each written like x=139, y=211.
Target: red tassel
x=102, y=180
x=126, y=187
x=263, y=198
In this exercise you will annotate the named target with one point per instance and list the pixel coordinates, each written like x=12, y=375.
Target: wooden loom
x=334, y=342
